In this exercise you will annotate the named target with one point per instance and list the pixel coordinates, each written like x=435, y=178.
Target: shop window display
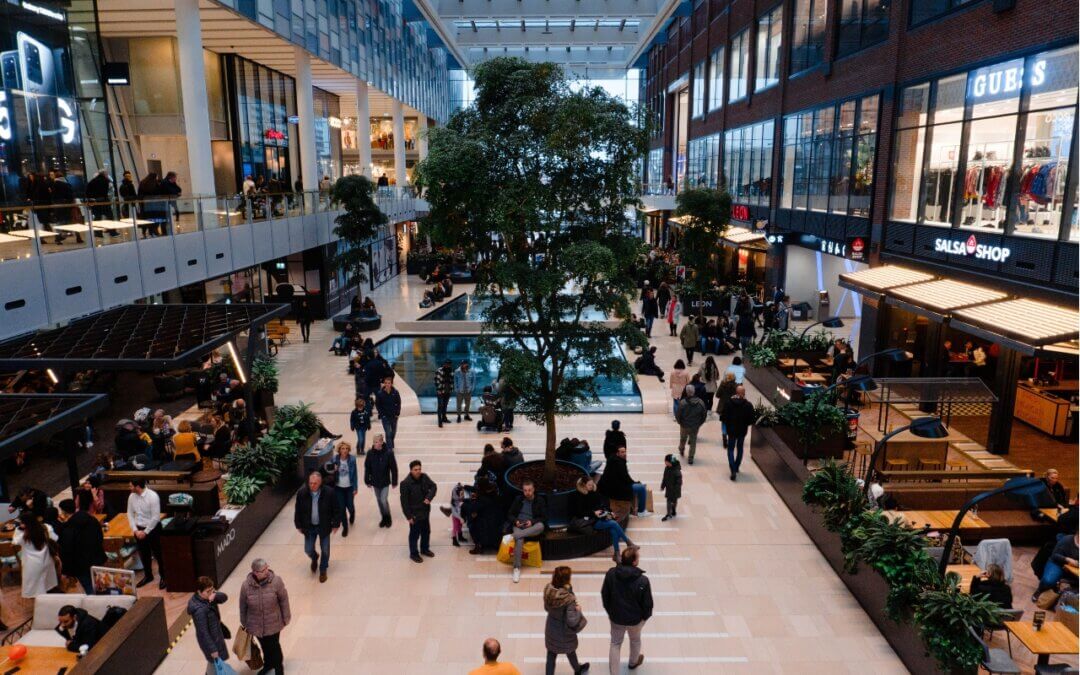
x=955, y=162
x=264, y=99
x=828, y=158
x=748, y=163
x=704, y=161
x=382, y=133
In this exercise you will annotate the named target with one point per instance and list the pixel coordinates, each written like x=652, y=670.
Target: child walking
x=671, y=484
x=457, y=498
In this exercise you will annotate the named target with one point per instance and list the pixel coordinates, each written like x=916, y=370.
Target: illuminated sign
x=740, y=212
x=44, y=11
x=1005, y=79
x=774, y=238
x=334, y=122
x=971, y=247
x=856, y=247
x=833, y=247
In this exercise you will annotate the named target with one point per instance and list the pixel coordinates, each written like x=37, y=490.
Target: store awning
x=739, y=237
x=935, y=299
x=136, y=337
x=29, y=419
x=1023, y=324
x=876, y=280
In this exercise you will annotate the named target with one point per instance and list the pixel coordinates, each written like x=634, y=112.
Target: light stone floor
x=738, y=586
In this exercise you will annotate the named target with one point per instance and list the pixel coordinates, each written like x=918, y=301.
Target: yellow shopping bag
x=530, y=554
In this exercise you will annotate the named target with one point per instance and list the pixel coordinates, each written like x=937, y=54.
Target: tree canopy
x=356, y=226
x=706, y=212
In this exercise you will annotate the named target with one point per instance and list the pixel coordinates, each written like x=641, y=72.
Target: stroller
x=491, y=414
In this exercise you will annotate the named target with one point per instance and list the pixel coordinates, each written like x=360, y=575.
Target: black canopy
x=29, y=419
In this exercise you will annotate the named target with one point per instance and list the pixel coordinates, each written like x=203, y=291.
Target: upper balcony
x=657, y=197
x=61, y=261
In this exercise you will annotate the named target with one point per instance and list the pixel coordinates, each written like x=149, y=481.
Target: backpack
x=112, y=615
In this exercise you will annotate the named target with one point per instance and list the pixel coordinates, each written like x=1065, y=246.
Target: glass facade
x=862, y=23
x=769, y=32
x=327, y=134
x=808, y=38
x=925, y=10
x=655, y=167
x=263, y=101
x=990, y=149
x=704, y=161
x=740, y=65
x=748, y=163
x=828, y=158
x=716, y=79
x=698, y=104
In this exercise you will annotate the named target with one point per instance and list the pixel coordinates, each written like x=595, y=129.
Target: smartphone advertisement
x=39, y=120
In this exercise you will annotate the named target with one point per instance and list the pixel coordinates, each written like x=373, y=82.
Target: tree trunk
x=549, y=451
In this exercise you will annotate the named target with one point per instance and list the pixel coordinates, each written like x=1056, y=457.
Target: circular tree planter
x=558, y=542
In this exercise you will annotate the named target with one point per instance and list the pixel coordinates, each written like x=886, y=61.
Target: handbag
x=580, y=626
x=1047, y=599
x=223, y=668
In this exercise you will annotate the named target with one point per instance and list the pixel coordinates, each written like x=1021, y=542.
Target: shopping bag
x=241, y=646
x=223, y=668
x=648, y=499
x=506, y=550
x=530, y=554
x=255, y=661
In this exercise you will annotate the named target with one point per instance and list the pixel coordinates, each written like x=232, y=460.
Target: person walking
x=303, y=319
x=738, y=418
x=744, y=329
x=710, y=377
x=417, y=493
x=82, y=543
x=360, y=422
x=671, y=485
x=317, y=515
x=444, y=389
x=206, y=617
x=264, y=613
x=527, y=516
x=346, y=485
x=628, y=601
x=388, y=404
x=672, y=314
x=564, y=621
x=492, y=666
x=688, y=337
x=381, y=474
x=614, y=438
x=144, y=516
x=691, y=414
x=650, y=310
x=464, y=383
x=680, y=377
x=38, y=569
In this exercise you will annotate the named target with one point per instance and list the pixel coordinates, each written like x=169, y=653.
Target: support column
x=421, y=136
x=1006, y=375
x=305, y=107
x=193, y=92
x=399, y=143
x=363, y=128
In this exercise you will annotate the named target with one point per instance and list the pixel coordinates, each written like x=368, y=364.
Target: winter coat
x=512, y=456
x=444, y=382
x=207, y=620
x=673, y=311
x=738, y=416
x=680, y=377
x=563, y=615
x=627, y=595
x=388, y=404
x=380, y=468
x=650, y=309
x=329, y=510
x=692, y=413
x=745, y=326
x=671, y=483
x=723, y=394
x=360, y=419
x=689, y=335
x=613, y=440
x=264, y=606
x=616, y=483
x=81, y=544
x=539, y=509
x=413, y=493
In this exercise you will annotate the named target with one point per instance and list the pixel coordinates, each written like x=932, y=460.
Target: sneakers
x=467, y=418
x=517, y=575
x=644, y=514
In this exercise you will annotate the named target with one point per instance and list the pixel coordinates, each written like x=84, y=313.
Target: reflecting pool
x=466, y=307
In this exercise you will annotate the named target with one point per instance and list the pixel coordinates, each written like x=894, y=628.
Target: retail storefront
x=328, y=126
x=812, y=268
x=264, y=124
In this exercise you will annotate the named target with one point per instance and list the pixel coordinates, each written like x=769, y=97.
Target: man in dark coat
x=628, y=601
x=617, y=484
x=317, y=515
x=388, y=403
x=97, y=193
x=690, y=415
x=444, y=389
x=614, y=438
x=650, y=310
x=417, y=493
x=77, y=628
x=81, y=543
x=738, y=416
x=527, y=516
x=381, y=474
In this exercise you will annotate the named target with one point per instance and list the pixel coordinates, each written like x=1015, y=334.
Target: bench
x=1007, y=517
x=361, y=321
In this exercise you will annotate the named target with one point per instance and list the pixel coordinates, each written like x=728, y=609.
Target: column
x=421, y=138
x=193, y=92
x=305, y=108
x=1006, y=375
x=399, y=143
x=363, y=126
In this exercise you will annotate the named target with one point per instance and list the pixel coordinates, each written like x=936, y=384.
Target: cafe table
x=937, y=520
x=790, y=364
x=810, y=379
x=967, y=574
x=31, y=234
x=118, y=528
x=42, y=660
x=1054, y=638
x=8, y=239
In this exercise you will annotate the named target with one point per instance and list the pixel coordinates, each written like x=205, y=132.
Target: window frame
x=716, y=86
x=766, y=21
x=807, y=24
x=862, y=25
x=697, y=87
x=743, y=38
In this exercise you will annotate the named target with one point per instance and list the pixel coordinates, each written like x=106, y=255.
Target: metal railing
x=654, y=189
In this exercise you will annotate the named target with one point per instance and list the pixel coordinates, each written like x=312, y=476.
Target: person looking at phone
x=589, y=510
x=528, y=513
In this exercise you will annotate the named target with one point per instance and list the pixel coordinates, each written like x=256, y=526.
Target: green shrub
x=835, y=491
x=898, y=553
x=241, y=490
x=765, y=415
x=814, y=419
x=264, y=374
x=253, y=461
x=943, y=616
x=759, y=356
x=297, y=417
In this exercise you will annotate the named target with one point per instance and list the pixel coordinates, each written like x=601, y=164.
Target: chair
x=1056, y=669
x=861, y=456
x=1006, y=615
x=995, y=660
x=896, y=464
x=9, y=559
x=117, y=552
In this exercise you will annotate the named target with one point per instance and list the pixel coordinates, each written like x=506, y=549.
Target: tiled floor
x=738, y=586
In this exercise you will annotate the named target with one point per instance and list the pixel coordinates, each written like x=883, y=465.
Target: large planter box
x=777, y=388
x=833, y=446
x=785, y=471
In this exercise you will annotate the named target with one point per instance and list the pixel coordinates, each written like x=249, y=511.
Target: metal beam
x=450, y=10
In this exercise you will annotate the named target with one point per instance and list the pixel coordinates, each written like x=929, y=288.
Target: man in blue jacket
x=464, y=383
x=388, y=403
x=346, y=485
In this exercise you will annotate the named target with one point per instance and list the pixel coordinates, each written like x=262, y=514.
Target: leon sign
x=971, y=247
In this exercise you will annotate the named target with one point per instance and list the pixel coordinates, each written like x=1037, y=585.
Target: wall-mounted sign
x=1004, y=79
x=856, y=249
x=971, y=247
x=777, y=238
x=832, y=247
x=740, y=212
x=334, y=122
x=293, y=119
x=44, y=11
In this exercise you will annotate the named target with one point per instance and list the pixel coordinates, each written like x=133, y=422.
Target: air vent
x=122, y=279
x=159, y=270
x=14, y=304
x=74, y=290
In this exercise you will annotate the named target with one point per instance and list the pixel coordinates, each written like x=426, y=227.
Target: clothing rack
x=1050, y=186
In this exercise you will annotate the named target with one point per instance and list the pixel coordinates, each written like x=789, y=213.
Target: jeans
x=674, y=406
x=689, y=355
x=519, y=540
x=389, y=425
x=419, y=531
x=345, y=497
x=1052, y=574
x=271, y=651
x=305, y=330
x=466, y=398
x=641, y=493
x=382, y=498
x=688, y=433
x=617, y=634
x=324, y=547
x=549, y=669
x=734, y=452
x=702, y=343
x=508, y=418
x=648, y=325
x=361, y=439
x=615, y=530
x=745, y=341
x=443, y=403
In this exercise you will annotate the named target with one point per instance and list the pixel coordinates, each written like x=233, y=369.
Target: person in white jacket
x=38, y=568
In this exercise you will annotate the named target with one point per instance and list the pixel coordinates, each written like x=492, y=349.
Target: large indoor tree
x=356, y=226
x=537, y=182
x=705, y=213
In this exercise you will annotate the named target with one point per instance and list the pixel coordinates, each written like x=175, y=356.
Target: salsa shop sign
x=971, y=247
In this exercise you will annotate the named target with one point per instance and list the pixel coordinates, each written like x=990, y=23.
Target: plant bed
x=565, y=479
x=772, y=384
x=833, y=445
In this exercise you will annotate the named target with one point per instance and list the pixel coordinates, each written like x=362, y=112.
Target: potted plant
x=835, y=491
x=264, y=382
x=943, y=616
x=813, y=428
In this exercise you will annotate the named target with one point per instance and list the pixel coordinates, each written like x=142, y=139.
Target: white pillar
x=305, y=107
x=399, y=143
x=421, y=138
x=363, y=127
x=193, y=92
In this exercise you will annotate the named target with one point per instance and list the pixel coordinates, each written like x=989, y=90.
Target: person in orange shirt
x=491, y=666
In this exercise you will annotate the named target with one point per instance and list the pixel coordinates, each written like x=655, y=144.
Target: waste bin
x=852, y=417
x=177, y=551
x=823, y=303
x=800, y=311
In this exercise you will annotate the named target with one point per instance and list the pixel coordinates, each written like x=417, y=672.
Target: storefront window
x=770, y=28
x=327, y=134
x=716, y=79
x=740, y=67
x=964, y=168
x=862, y=23
x=264, y=99
x=828, y=158
x=704, y=161
x=656, y=166
x=748, y=163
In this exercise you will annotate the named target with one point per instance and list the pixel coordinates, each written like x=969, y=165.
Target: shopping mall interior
x=501, y=337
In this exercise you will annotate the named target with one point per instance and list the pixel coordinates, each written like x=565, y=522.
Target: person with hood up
x=628, y=601
x=671, y=485
x=511, y=453
x=564, y=620
x=206, y=617
x=614, y=438
x=264, y=612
